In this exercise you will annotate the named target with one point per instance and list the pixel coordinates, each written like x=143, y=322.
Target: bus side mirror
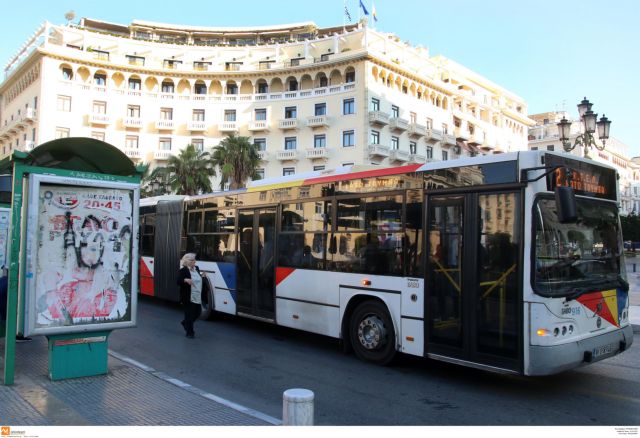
x=566, y=205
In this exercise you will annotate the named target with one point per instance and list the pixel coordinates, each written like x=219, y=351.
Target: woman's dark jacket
x=185, y=289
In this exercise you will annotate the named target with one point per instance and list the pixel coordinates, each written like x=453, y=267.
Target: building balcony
x=417, y=159
x=161, y=155
x=477, y=138
x=377, y=150
x=164, y=125
x=258, y=125
x=196, y=125
x=318, y=121
x=264, y=155
x=433, y=136
x=462, y=134
x=378, y=118
x=30, y=115
x=399, y=156
x=228, y=127
x=135, y=153
x=449, y=140
x=98, y=119
x=317, y=153
x=398, y=124
x=29, y=145
x=416, y=130
x=288, y=155
x=132, y=122
x=289, y=124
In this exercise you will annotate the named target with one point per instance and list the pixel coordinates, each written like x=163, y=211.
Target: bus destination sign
x=586, y=179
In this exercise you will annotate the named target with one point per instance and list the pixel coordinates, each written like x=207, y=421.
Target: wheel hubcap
x=371, y=332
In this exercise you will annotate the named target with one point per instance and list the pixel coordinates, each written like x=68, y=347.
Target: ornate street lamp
x=586, y=139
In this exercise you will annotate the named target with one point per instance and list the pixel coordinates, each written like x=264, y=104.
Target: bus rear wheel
x=371, y=332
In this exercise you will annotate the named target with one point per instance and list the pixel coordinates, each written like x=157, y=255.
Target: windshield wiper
x=597, y=286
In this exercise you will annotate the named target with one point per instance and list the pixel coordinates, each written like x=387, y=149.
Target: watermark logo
x=5, y=430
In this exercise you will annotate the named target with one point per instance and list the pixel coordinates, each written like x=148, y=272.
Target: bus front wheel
x=372, y=334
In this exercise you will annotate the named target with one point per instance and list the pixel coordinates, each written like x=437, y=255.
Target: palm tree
x=155, y=183
x=190, y=172
x=238, y=160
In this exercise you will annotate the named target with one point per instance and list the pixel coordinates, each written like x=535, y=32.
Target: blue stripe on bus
x=228, y=273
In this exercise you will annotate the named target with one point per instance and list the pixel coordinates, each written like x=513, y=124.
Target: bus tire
x=371, y=332
x=207, y=309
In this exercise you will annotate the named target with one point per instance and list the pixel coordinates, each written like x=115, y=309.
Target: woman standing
x=190, y=282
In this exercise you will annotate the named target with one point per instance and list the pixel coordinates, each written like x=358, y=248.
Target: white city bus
x=510, y=263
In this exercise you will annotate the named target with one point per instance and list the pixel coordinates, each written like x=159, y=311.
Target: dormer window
x=171, y=64
x=135, y=60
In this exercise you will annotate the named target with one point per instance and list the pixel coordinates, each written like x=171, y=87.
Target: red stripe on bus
x=282, y=273
x=146, y=279
x=364, y=174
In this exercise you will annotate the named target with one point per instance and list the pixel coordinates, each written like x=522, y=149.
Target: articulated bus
x=510, y=263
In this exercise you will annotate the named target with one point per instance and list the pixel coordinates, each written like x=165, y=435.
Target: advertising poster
x=81, y=274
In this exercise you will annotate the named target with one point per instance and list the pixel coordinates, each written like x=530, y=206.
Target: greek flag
x=373, y=12
x=364, y=10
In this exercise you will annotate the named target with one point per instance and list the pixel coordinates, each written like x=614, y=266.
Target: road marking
x=192, y=389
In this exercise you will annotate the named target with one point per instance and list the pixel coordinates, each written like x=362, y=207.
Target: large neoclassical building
x=310, y=97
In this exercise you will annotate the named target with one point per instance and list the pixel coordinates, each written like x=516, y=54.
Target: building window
x=165, y=144
x=445, y=155
x=99, y=107
x=133, y=111
x=348, y=106
x=166, y=113
x=375, y=137
x=290, y=143
x=347, y=164
x=288, y=171
x=375, y=104
x=67, y=74
x=324, y=81
x=321, y=109
x=201, y=65
x=429, y=123
x=136, y=60
x=290, y=112
x=395, y=111
x=429, y=152
x=167, y=87
x=263, y=88
x=33, y=134
x=348, y=139
x=413, y=147
x=412, y=118
x=131, y=142
x=260, y=114
x=318, y=168
x=229, y=115
x=293, y=85
x=445, y=128
x=200, y=89
x=197, y=115
x=63, y=103
x=135, y=84
x=198, y=143
x=232, y=89
x=550, y=147
x=319, y=141
x=100, y=79
x=395, y=143
x=35, y=102
x=260, y=144
x=259, y=174
x=62, y=132
x=350, y=76
x=534, y=148
x=97, y=135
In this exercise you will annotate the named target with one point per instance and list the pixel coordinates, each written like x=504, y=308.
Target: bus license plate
x=604, y=350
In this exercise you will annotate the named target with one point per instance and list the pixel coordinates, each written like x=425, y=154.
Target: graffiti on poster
x=83, y=261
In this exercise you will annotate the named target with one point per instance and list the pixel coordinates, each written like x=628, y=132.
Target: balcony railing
x=161, y=155
x=378, y=118
x=132, y=122
x=449, y=140
x=164, y=125
x=258, y=125
x=135, y=153
x=228, y=127
x=417, y=159
x=30, y=115
x=288, y=155
x=377, y=150
x=398, y=124
x=29, y=145
x=462, y=134
x=477, y=138
x=317, y=153
x=317, y=121
x=399, y=156
x=416, y=130
x=433, y=136
x=289, y=124
x=98, y=119
x=264, y=155
x=196, y=125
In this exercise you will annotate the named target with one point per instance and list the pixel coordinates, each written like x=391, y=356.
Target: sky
x=552, y=53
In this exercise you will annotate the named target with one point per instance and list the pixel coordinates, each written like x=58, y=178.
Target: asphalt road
x=253, y=363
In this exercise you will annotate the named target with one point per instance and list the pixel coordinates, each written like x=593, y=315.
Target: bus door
x=255, y=262
x=473, y=279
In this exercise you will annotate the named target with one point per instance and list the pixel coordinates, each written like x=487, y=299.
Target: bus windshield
x=571, y=259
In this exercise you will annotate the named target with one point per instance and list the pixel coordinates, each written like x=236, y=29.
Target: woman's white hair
x=187, y=258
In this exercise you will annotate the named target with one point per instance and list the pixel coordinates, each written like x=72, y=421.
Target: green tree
x=190, y=172
x=238, y=160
